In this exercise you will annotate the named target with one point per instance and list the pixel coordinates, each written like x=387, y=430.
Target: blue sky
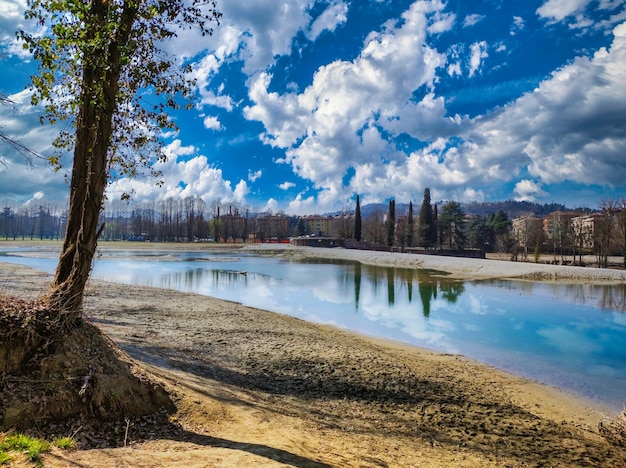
x=304, y=104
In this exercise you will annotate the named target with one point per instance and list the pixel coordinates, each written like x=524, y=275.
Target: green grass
x=29, y=447
x=64, y=443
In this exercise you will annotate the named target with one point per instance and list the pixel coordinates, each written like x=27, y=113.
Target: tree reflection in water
x=429, y=283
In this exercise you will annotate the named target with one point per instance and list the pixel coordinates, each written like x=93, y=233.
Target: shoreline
x=461, y=269
x=335, y=396
x=453, y=267
x=456, y=267
x=39, y=279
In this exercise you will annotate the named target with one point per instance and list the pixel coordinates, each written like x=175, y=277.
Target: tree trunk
x=101, y=73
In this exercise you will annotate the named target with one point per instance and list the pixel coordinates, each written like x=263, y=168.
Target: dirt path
x=255, y=388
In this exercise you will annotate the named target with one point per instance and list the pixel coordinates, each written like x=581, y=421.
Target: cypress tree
x=391, y=222
x=409, y=228
x=357, y=221
x=427, y=233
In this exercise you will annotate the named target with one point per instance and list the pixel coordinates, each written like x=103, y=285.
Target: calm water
x=571, y=336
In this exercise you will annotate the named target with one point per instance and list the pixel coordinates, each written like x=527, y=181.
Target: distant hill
x=513, y=209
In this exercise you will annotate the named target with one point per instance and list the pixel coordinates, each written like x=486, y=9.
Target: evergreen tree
x=410, y=226
x=357, y=220
x=480, y=233
x=500, y=227
x=300, y=228
x=437, y=228
x=452, y=222
x=427, y=229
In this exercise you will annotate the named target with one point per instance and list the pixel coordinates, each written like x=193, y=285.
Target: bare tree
x=621, y=222
x=603, y=231
x=374, y=227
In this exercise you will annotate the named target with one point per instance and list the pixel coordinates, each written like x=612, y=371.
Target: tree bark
x=94, y=128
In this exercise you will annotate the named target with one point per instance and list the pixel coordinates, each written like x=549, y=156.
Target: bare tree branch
x=22, y=149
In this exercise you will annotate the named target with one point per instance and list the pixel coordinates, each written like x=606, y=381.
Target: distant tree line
x=450, y=229
x=447, y=226
x=443, y=225
x=35, y=221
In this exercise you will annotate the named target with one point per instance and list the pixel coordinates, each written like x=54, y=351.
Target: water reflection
x=398, y=280
x=569, y=335
x=605, y=297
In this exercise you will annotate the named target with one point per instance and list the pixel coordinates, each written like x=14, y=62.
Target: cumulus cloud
x=271, y=206
x=306, y=205
x=478, y=53
x=333, y=16
x=572, y=127
x=334, y=124
x=185, y=174
x=240, y=192
x=346, y=128
x=577, y=13
x=557, y=10
x=527, y=190
x=12, y=19
x=518, y=25
x=22, y=177
x=264, y=31
x=212, y=123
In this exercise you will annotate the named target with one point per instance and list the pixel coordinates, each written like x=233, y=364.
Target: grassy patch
x=15, y=447
x=27, y=446
x=64, y=443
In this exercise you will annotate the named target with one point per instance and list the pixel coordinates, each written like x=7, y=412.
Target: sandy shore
x=454, y=267
x=461, y=268
x=255, y=388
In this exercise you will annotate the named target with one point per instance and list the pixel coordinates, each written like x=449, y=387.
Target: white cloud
x=478, y=53
x=203, y=72
x=185, y=174
x=253, y=176
x=527, y=190
x=305, y=205
x=471, y=20
x=578, y=13
x=582, y=101
x=264, y=28
x=212, y=123
x=241, y=190
x=286, y=185
x=454, y=69
x=19, y=178
x=11, y=20
x=557, y=10
x=518, y=25
x=572, y=127
x=333, y=16
x=333, y=124
x=442, y=22
x=271, y=206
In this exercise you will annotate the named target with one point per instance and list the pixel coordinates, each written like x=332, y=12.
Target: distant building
x=586, y=229
x=527, y=231
x=234, y=226
x=558, y=223
x=271, y=227
x=318, y=225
